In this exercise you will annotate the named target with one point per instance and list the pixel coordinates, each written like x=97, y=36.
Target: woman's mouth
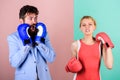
x=87, y=30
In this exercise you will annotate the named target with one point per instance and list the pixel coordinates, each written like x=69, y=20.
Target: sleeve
x=17, y=53
x=46, y=50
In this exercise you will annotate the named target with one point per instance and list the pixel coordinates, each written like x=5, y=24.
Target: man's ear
x=21, y=21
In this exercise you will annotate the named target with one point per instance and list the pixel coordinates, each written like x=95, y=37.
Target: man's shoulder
x=14, y=34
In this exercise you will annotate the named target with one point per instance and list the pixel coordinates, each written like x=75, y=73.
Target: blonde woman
x=88, y=49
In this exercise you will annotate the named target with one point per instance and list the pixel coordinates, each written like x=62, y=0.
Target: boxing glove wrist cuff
x=28, y=41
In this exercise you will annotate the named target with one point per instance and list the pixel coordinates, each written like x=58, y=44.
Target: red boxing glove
x=73, y=65
x=102, y=36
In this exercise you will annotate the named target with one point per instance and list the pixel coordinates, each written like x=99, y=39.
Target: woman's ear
x=95, y=28
x=21, y=21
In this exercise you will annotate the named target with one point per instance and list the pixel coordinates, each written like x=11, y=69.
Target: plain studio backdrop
x=107, y=15
x=58, y=17
x=62, y=20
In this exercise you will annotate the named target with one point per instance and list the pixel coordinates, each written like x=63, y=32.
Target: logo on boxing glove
x=41, y=31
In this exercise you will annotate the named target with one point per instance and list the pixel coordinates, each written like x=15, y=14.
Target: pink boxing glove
x=102, y=36
x=73, y=65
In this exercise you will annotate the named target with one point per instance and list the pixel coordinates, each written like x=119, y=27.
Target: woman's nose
x=87, y=26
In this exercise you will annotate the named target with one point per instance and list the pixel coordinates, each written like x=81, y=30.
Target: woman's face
x=87, y=26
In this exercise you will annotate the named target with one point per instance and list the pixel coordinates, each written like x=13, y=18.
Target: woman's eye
x=83, y=25
x=90, y=24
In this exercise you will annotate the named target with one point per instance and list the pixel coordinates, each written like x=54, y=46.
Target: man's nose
x=34, y=21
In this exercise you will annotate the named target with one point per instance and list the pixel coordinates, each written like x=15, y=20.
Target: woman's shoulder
x=75, y=44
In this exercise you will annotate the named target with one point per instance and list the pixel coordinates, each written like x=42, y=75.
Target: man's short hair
x=27, y=9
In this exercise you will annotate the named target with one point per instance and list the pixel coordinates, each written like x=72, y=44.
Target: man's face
x=31, y=19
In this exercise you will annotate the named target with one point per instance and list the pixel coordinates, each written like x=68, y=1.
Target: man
x=30, y=48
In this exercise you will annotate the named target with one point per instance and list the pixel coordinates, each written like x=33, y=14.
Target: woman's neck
x=88, y=40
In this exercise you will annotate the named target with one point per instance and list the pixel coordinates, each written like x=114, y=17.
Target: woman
x=88, y=49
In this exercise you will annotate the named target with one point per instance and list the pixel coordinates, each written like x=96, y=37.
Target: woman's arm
x=74, y=48
x=108, y=57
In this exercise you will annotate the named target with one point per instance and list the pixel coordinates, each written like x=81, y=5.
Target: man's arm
x=17, y=54
x=47, y=50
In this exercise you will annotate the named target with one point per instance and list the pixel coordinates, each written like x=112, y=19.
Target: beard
x=32, y=31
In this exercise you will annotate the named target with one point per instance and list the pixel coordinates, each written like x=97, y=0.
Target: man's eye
x=30, y=18
x=35, y=18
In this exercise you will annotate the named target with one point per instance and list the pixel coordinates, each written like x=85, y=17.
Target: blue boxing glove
x=41, y=31
x=23, y=33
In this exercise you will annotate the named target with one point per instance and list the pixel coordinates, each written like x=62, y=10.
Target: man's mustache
x=32, y=27
x=32, y=30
